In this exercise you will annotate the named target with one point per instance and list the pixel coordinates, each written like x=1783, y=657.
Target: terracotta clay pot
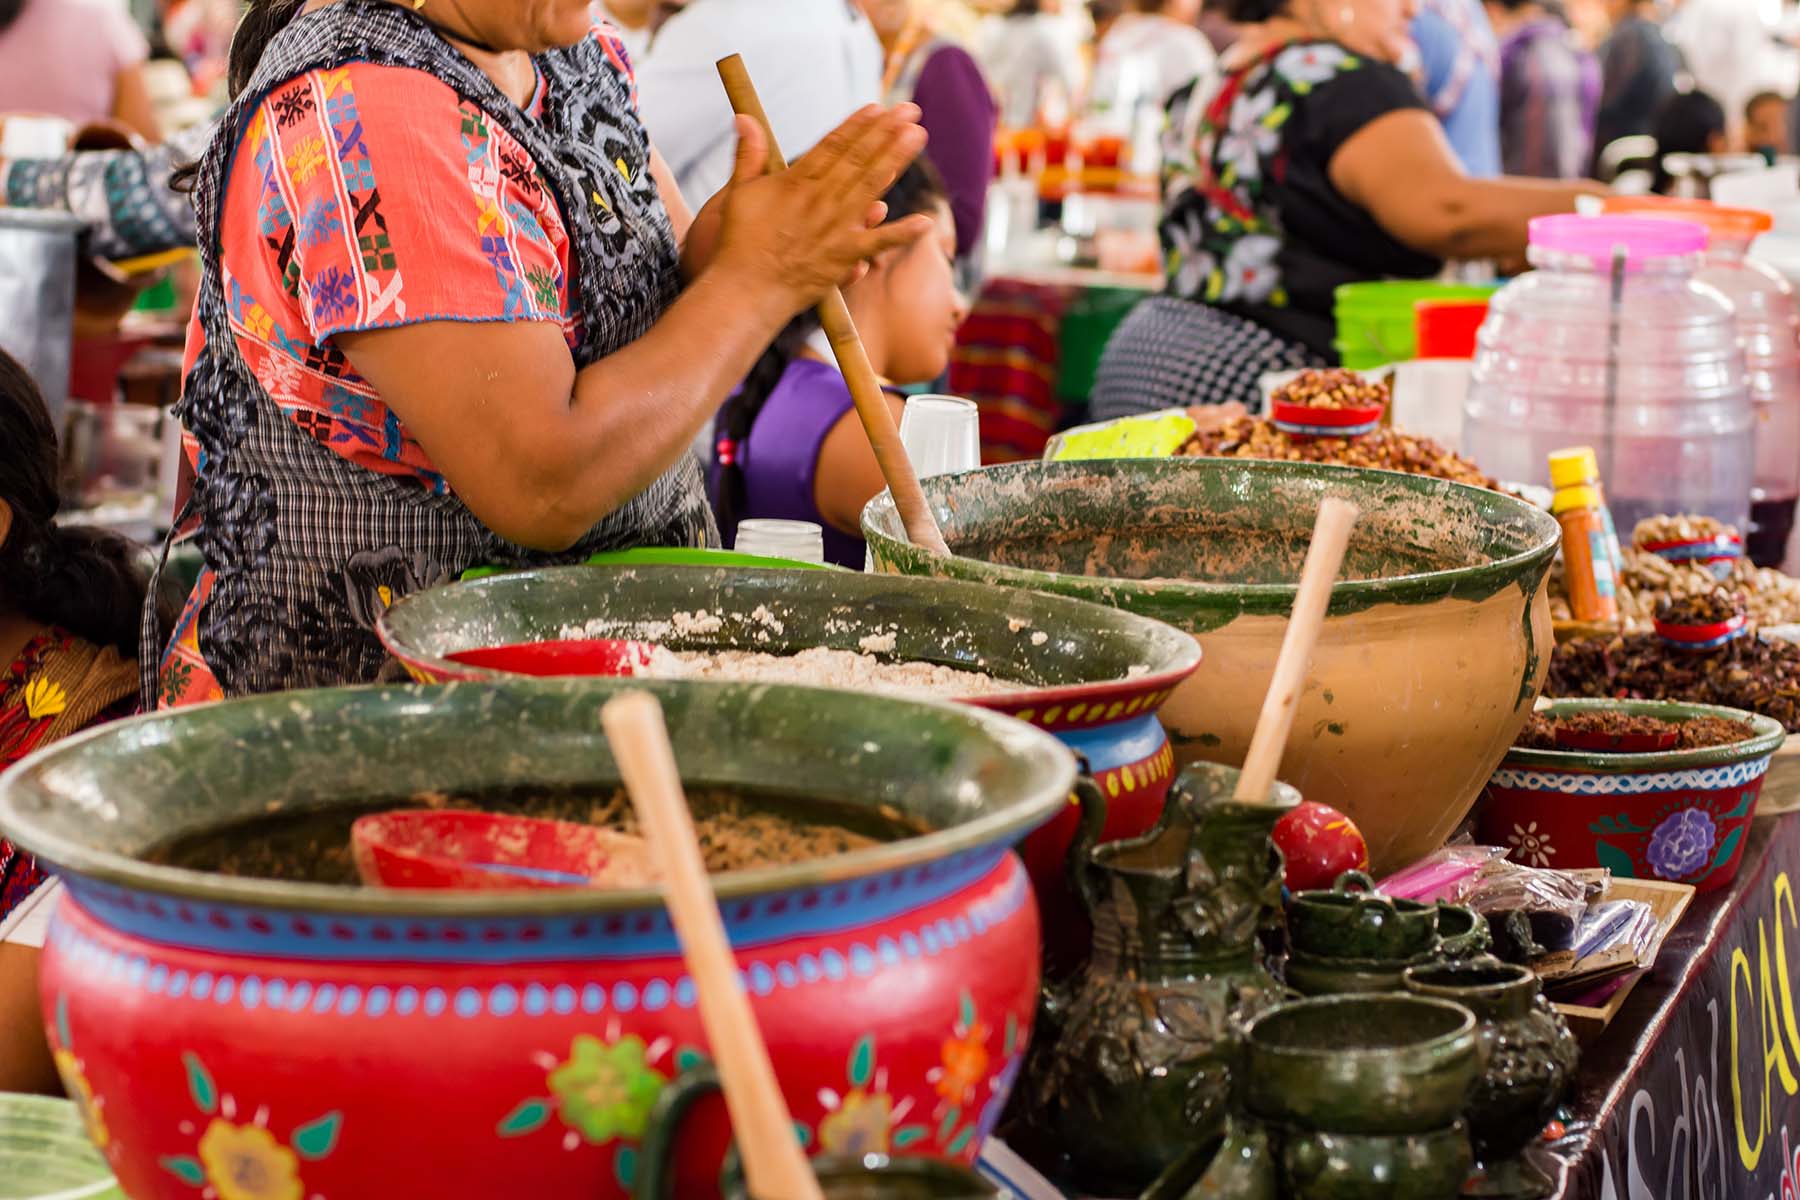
x=341, y=1042
x=1680, y=815
x=1436, y=643
x=1100, y=674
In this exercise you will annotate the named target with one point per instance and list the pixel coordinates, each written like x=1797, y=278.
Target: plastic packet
x=1440, y=875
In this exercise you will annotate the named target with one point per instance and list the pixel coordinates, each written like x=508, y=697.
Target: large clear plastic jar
x=1612, y=342
x=1769, y=321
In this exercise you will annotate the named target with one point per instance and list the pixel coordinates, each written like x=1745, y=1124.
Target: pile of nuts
x=1708, y=608
x=1659, y=531
x=1648, y=581
x=1748, y=672
x=1334, y=388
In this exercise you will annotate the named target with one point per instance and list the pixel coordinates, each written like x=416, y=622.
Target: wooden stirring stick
x=774, y=1166
x=865, y=389
x=1331, y=534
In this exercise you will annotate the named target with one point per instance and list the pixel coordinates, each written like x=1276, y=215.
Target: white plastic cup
x=801, y=541
x=942, y=434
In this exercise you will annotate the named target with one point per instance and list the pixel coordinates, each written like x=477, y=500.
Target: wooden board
x=1669, y=901
x=1781, y=786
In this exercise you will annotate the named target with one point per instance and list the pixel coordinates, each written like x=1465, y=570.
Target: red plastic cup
x=1447, y=328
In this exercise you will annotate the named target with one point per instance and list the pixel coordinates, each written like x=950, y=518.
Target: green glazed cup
x=870, y=1177
x=1352, y=921
x=1313, y=976
x=1463, y=933
x=1363, y=1064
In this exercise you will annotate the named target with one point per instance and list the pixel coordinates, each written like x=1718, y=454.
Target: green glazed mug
x=1353, y=921
x=872, y=1177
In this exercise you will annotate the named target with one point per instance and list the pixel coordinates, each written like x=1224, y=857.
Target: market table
x=1693, y=1092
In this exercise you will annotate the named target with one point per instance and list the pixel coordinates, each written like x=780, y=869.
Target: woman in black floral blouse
x=1314, y=162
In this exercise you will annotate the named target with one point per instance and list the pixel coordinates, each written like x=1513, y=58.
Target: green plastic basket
x=1376, y=322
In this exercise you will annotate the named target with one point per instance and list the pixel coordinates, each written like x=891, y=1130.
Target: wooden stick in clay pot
x=1331, y=534
x=865, y=388
x=775, y=1168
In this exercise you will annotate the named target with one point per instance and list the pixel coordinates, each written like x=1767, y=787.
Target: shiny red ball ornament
x=1320, y=843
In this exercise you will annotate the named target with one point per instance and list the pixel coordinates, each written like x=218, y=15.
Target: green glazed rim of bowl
x=1162, y=597
x=1049, y=770
x=1766, y=738
x=1357, y=1056
x=418, y=629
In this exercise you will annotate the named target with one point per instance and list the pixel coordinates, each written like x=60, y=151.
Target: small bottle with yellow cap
x=1579, y=467
x=1588, y=572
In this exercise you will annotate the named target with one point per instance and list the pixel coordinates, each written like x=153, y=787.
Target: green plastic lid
x=675, y=556
x=45, y=1154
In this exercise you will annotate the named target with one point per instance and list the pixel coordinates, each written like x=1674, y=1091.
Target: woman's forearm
x=542, y=472
x=1488, y=218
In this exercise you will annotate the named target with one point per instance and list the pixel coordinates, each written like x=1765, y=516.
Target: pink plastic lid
x=1595, y=237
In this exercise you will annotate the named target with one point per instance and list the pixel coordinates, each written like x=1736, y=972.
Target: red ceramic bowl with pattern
x=249, y=1039
x=1679, y=815
x=1099, y=674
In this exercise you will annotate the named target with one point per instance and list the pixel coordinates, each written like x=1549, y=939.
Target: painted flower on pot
x=245, y=1162
x=606, y=1092
x=964, y=1057
x=859, y=1126
x=75, y=1083
x=1682, y=844
x=1530, y=846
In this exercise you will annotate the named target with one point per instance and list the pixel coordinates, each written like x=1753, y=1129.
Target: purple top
x=1595, y=237
x=780, y=458
x=959, y=113
x=1549, y=100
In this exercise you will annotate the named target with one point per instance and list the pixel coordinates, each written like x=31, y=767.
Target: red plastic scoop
x=586, y=656
x=433, y=848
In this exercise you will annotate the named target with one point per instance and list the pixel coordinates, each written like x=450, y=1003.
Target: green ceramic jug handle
x=656, y=1157
x=1353, y=879
x=1087, y=836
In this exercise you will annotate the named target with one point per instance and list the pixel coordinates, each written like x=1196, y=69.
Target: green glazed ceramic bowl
x=1346, y=1166
x=1345, y=923
x=1436, y=641
x=1462, y=933
x=1364, y=1064
x=45, y=1154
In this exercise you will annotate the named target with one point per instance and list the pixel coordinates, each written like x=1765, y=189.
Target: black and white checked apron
x=308, y=548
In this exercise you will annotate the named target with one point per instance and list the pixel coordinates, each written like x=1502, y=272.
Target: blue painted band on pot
x=1117, y=745
x=350, y=937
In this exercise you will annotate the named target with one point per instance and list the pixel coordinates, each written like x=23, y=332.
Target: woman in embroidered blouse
x=1314, y=163
x=453, y=311
x=69, y=600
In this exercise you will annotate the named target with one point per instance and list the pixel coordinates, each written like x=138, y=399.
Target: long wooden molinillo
x=865, y=389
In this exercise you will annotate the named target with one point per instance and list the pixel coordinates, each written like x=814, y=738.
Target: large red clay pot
x=239, y=1039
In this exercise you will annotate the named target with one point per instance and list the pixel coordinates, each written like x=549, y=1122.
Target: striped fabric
x=1006, y=361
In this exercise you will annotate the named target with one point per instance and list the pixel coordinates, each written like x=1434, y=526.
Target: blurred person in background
x=1154, y=48
x=1460, y=75
x=80, y=60
x=1638, y=68
x=1766, y=125
x=1730, y=50
x=814, y=63
x=1313, y=164
x=956, y=108
x=198, y=32
x=1687, y=123
x=634, y=20
x=1549, y=91
x=1030, y=54
x=1217, y=25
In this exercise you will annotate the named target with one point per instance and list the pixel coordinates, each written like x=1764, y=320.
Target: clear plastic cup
x=1612, y=342
x=942, y=434
x=801, y=541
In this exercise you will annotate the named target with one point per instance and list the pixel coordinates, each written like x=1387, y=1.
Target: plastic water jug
x=1611, y=342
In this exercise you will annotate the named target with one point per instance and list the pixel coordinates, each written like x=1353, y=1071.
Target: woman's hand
x=790, y=238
